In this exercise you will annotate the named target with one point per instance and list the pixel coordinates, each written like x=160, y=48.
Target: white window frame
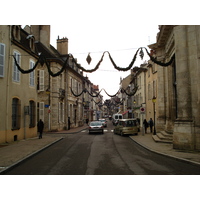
x=2, y=59
x=32, y=74
x=16, y=72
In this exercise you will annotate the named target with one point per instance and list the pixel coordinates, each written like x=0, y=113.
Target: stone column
x=182, y=137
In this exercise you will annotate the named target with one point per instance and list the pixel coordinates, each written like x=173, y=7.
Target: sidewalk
x=14, y=153
x=166, y=149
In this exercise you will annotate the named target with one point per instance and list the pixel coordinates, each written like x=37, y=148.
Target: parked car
x=115, y=118
x=96, y=127
x=104, y=122
x=127, y=126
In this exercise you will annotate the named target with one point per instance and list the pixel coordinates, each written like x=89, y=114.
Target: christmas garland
x=89, y=70
x=158, y=62
x=77, y=95
x=26, y=71
x=122, y=90
x=131, y=94
x=42, y=59
x=111, y=95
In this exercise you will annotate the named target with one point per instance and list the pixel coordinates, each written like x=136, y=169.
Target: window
x=61, y=112
x=40, y=80
x=16, y=32
x=41, y=111
x=2, y=59
x=31, y=42
x=16, y=75
x=149, y=91
x=155, y=88
x=32, y=113
x=15, y=114
x=32, y=74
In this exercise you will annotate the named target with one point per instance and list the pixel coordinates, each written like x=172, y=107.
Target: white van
x=116, y=117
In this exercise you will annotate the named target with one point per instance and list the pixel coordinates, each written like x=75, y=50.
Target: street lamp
x=154, y=102
x=133, y=108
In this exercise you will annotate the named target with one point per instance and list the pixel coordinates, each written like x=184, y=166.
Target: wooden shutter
x=2, y=59
x=41, y=80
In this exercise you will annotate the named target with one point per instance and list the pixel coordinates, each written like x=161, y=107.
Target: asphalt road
x=97, y=154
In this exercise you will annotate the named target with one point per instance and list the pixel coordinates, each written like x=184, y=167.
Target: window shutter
x=63, y=113
x=41, y=80
x=59, y=113
x=41, y=111
x=2, y=59
x=32, y=74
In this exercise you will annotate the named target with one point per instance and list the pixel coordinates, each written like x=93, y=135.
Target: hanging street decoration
x=43, y=60
x=122, y=90
x=88, y=59
x=141, y=53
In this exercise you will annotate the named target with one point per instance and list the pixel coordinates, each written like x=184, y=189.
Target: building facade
x=178, y=84
x=19, y=95
x=35, y=83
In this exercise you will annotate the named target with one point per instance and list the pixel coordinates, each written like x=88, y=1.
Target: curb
x=67, y=132
x=27, y=157
x=167, y=155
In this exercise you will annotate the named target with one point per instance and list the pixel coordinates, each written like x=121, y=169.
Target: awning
x=124, y=112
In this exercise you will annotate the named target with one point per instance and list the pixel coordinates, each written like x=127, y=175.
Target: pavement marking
x=105, y=130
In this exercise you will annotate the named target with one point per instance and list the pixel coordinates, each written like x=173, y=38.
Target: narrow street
x=97, y=154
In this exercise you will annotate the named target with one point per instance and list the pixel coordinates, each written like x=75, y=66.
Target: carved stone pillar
x=183, y=131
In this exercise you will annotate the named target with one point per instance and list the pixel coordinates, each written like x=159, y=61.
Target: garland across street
x=42, y=59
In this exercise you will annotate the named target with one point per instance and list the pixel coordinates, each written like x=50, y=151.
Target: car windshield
x=95, y=124
x=129, y=123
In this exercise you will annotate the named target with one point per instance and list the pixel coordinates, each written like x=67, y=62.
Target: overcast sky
x=97, y=26
x=120, y=27
x=121, y=40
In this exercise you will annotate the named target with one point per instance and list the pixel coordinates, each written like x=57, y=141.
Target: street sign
x=142, y=110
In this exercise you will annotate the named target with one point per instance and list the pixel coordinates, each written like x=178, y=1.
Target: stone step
x=157, y=139
x=164, y=137
x=166, y=134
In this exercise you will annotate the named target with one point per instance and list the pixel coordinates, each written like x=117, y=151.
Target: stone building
x=178, y=84
x=75, y=104
x=18, y=101
x=51, y=105
x=138, y=100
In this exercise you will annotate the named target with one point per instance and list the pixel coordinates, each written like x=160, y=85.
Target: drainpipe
x=9, y=70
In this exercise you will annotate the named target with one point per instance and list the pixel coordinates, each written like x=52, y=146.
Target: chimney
x=42, y=33
x=62, y=45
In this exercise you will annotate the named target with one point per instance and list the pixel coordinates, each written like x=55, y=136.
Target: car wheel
x=121, y=133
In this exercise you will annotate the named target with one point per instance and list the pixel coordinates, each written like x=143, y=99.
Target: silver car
x=104, y=122
x=95, y=127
